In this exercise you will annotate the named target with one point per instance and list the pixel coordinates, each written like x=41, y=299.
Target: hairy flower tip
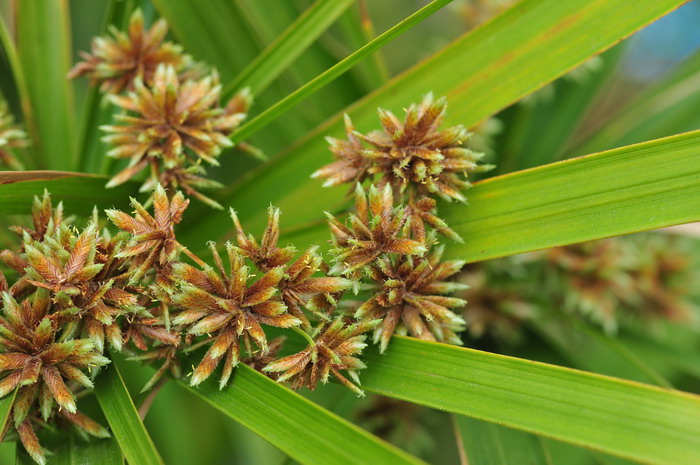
x=190, y=180
x=414, y=156
x=171, y=123
x=267, y=254
x=300, y=288
x=376, y=228
x=116, y=62
x=11, y=138
x=335, y=347
x=40, y=360
x=153, y=243
x=495, y=310
x=228, y=307
x=410, y=298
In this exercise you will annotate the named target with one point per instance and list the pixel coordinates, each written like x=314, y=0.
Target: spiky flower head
x=117, y=62
x=11, y=138
x=410, y=298
x=172, y=123
x=415, y=156
x=153, y=243
x=376, y=228
x=39, y=359
x=335, y=346
x=300, y=287
x=230, y=306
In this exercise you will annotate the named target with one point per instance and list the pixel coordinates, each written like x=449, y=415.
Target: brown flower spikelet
x=376, y=228
x=153, y=244
x=228, y=306
x=299, y=288
x=335, y=347
x=414, y=157
x=117, y=62
x=172, y=124
x=410, y=297
x=40, y=361
x=11, y=138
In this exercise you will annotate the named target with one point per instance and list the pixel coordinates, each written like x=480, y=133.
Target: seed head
x=117, y=62
x=336, y=347
x=414, y=156
x=410, y=298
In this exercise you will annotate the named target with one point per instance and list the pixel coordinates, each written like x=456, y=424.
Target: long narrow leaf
x=79, y=192
x=43, y=46
x=623, y=418
x=317, y=436
x=123, y=419
x=282, y=52
x=636, y=188
x=480, y=73
x=300, y=94
x=486, y=443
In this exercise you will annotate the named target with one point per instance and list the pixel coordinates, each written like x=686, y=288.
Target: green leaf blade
x=286, y=48
x=626, y=190
x=631, y=420
x=301, y=429
x=43, y=46
x=123, y=419
x=79, y=192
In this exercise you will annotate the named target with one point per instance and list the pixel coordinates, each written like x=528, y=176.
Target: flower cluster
x=72, y=295
x=173, y=117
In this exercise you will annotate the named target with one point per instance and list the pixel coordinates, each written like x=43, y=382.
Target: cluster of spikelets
x=173, y=118
x=644, y=278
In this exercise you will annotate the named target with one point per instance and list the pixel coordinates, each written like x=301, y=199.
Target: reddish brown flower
x=40, y=360
x=227, y=305
x=117, y=62
x=153, y=243
x=375, y=228
x=415, y=155
x=410, y=297
x=267, y=254
x=335, y=347
x=172, y=123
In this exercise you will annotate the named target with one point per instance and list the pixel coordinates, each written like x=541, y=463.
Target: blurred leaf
x=267, y=66
x=489, y=444
x=668, y=107
x=300, y=428
x=10, y=52
x=43, y=47
x=70, y=450
x=623, y=418
x=79, y=192
x=480, y=73
x=123, y=419
x=328, y=76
